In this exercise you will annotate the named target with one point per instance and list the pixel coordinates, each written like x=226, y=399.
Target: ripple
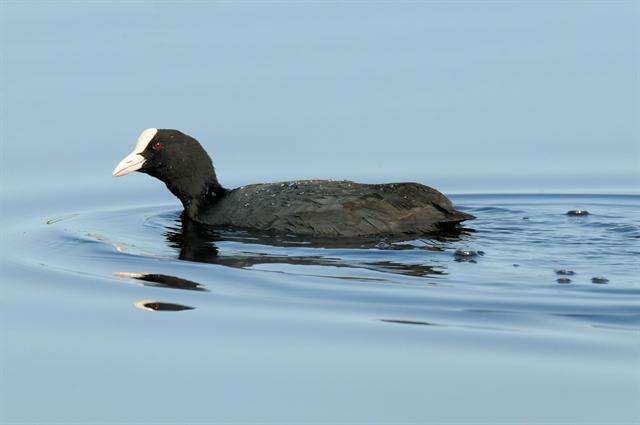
x=155, y=248
x=496, y=209
x=407, y=322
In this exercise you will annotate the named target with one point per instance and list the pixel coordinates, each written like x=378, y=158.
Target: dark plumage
x=335, y=208
x=308, y=207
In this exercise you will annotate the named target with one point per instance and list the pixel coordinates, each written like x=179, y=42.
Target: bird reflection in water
x=197, y=242
x=149, y=305
x=162, y=281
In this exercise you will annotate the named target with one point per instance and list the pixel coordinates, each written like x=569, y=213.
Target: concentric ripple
x=523, y=241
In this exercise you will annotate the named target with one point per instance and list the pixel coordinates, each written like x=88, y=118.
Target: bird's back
x=335, y=209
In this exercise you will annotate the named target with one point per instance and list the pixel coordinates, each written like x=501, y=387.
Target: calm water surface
x=127, y=314
x=114, y=311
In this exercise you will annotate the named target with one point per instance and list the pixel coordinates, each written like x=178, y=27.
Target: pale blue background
x=465, y=96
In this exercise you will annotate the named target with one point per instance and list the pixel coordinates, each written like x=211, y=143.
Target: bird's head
x=179, y=161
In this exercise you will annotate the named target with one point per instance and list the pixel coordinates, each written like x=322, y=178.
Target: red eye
x=157, y=146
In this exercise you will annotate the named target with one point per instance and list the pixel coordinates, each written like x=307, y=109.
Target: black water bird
x=321, y=208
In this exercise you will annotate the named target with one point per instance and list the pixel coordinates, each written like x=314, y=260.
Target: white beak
x=134, y=161
x=129, y=164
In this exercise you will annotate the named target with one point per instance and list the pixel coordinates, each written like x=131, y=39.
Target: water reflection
x=160, y=306
x=163, y=281
x=197, y=242
x=407, y=322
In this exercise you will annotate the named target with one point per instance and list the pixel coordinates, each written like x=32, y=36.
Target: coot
x=307, y=207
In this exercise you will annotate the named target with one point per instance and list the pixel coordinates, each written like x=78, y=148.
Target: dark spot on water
x=565, y=272
x=407, y=322
x=599, y=280
x=161, y=306
x=563, y=280
x=516, y=265
x=163, y=281
x=525, y=218
x=578, y=213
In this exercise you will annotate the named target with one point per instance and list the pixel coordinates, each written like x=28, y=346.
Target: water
x=124, y=313
x=112, y=311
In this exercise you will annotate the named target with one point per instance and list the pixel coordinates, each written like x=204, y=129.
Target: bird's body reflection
x=200, y=243
x=197, y=242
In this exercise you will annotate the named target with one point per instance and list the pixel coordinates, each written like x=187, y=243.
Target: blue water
x=289, y=331
x=112, y=311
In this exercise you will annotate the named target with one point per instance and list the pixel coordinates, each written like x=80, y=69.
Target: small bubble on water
x=466, y=255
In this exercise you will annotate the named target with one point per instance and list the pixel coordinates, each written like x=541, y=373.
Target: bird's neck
x=194, y=204
x=196, y=196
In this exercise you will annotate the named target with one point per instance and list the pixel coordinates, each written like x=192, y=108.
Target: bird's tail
x=459, y=216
